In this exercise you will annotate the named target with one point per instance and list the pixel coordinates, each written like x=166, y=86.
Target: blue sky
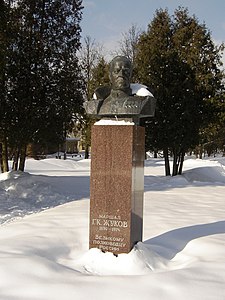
x=106, y=20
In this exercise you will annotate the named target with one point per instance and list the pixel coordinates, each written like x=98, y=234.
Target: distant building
x=72, y=145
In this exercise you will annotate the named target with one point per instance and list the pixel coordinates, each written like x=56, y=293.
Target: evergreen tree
x=45, y=82
x=212, y=137
x=100, y=75
x=179, y=61
x=4, y=111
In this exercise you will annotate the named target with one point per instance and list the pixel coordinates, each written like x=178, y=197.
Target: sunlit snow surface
x=44, y=235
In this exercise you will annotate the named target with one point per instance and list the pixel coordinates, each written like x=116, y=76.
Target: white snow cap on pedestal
x=113, y=122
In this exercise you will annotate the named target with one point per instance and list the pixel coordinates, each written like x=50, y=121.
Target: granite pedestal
x=116, y=187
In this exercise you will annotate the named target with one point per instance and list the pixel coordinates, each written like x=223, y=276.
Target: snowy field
x=44, y=236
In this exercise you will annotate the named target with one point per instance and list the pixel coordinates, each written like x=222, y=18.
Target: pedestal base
x=116, y=187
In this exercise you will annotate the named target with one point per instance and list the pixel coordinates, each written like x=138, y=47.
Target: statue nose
x=122, y=71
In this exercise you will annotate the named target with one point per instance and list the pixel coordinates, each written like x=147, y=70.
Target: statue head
x=120, y=73
x=120, y=99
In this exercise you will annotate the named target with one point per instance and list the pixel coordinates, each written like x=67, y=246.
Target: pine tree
x=155, y=63
x=4, y=112
x=45, y=81
x=99, y=75
x=179, y=61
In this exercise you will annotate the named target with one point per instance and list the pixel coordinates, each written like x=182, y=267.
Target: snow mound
x=209, y=174
x=82, y=165
x=53, y=167
x=22, y=194
x=141, y=260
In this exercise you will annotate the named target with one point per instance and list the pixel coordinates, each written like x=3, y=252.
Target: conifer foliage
x=179, y=61
x=42, y=77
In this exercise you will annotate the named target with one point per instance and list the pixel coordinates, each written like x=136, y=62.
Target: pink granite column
x=116, y=187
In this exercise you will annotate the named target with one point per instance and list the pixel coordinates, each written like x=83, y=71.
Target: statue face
x=120, y=74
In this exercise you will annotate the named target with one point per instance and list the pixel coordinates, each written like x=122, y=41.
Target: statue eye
x=126, y=70
x=117, y=71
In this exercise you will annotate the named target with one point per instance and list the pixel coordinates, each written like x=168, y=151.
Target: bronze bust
x=120, y=100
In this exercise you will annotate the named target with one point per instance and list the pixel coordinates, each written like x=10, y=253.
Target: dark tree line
x=41, y=81
x=179, y=61
x=40, y=78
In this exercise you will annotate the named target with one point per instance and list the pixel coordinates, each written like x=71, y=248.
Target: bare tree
x=90, y=55
x=129, y=41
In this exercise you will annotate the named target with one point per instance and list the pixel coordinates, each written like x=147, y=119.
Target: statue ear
x=102, y=92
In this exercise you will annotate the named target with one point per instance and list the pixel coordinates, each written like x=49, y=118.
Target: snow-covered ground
x=44, y=236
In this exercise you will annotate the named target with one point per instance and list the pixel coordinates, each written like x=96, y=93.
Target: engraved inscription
x=109, y=243
x=109, y=224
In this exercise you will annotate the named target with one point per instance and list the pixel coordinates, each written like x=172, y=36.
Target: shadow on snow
x=169, y=244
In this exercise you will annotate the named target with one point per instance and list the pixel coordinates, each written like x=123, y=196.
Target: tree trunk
x=4, y=158
x=64, y=144
x=22, y=158
x=1, y=166
x=175, y=162
x=182, y=154
x=16, y=159
x=167, y=163
x=178, y=160
x=86, y=155
x=64, y=150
